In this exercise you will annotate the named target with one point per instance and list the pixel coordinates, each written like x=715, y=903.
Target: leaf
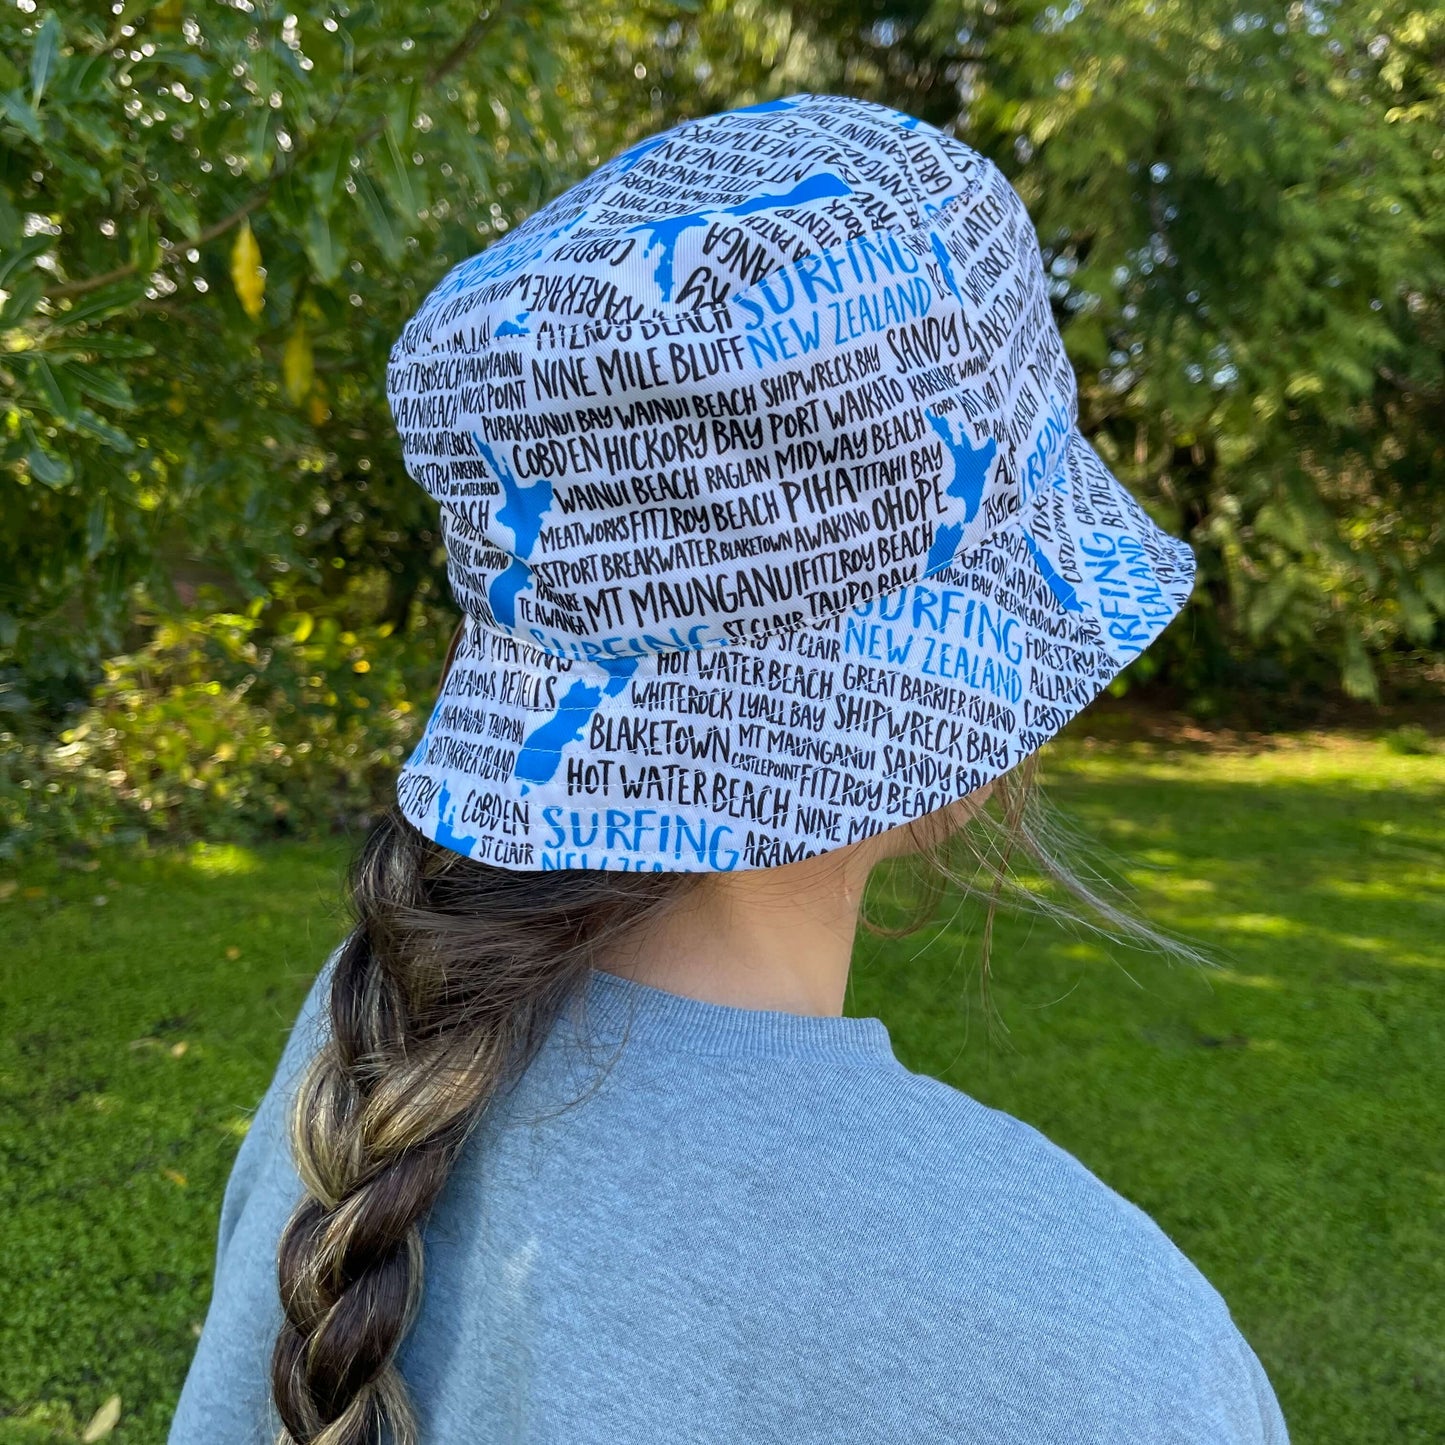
x=179, y=211
x=97, y=528
x=69, y=162
x=378, y=219
x=298, y=368
x=43, y=57
x=403, y=109
x=187, y=62
x=258, y=138
x=326, y=171
x=56, y=387
x=103, y=1421
x=263, y=73
x=321, y=246
x=475, y=161
x=24, y=297
x=104, y=301
x=122, y=348
x=51, y=468
x=397, y=174
x=26, y=252
x=10, y=225
x=92, y=425
x=1418, y=615
x=22, y=113
x=82, y=77
x=246, y=274
x=1357, y=672
x=105, y=386
x=1305, y=383
x=145, y=249
x=292, y=63
x=290, y=201
x=1432, y=584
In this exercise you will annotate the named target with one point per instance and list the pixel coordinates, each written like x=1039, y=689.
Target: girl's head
x=780, y=555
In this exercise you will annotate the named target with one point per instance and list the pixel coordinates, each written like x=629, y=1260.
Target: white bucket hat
x=764, y=500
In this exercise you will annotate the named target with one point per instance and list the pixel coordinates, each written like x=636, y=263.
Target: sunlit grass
x=1245, y=980
x=1277, y=1113
x=144, y=1005
x=220, y=860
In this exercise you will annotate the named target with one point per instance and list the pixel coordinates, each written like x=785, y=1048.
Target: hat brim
x=772, y=750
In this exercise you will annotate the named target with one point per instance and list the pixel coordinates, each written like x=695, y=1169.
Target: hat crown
x=751, y=372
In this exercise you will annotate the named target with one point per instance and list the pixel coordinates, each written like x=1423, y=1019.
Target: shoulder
x=1022, y=1197
x=1011, y=1233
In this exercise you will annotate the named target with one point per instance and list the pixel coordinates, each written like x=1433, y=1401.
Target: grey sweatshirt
x=689, y=1222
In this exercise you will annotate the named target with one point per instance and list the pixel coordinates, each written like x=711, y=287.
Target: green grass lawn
x=1278, y=1116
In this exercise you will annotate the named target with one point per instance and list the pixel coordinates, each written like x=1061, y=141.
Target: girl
x=779, y=552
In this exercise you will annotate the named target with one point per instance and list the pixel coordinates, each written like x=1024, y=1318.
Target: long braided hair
x=446, y=985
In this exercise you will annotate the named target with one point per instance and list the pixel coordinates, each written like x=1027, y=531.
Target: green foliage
x=156, y=993
x=1410, y=740
x=217, y=728
x=213, y=222
x=1244, y=216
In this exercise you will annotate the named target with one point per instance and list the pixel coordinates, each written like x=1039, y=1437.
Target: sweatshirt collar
x=610, y=1008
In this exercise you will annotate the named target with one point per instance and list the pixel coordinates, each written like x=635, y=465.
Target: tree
x=213, y=223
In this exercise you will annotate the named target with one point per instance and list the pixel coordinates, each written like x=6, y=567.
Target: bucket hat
x=764, y=500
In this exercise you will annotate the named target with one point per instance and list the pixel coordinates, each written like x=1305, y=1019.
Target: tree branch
x=456, y=56
x=217, y=228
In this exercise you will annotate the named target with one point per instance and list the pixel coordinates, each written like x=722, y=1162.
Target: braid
x=448, y=982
